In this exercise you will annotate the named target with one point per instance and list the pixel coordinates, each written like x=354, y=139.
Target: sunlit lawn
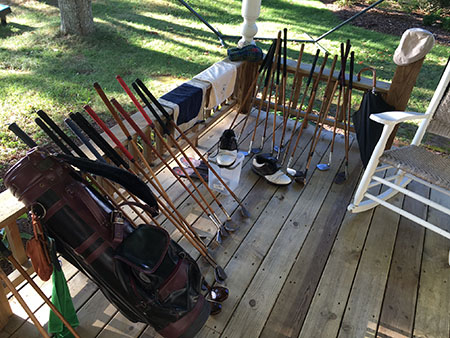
x=160, y=42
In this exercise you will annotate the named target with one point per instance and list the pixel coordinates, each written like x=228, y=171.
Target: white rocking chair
x=413, y=162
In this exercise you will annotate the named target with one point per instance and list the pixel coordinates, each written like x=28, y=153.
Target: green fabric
x=63, y=302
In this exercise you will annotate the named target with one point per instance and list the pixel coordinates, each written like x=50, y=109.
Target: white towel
x=222, y=77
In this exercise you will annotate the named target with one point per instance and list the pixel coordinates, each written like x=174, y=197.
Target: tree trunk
x=76, y=17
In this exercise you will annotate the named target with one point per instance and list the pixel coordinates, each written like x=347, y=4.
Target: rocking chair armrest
x=396, y=117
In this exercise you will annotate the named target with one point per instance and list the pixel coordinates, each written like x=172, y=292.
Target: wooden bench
x=4, y=11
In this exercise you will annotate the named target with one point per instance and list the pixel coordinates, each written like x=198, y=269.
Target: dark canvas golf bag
x=146, y=275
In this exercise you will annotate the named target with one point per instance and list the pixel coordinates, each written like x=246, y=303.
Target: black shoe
x=228, y=149
x=267, y=166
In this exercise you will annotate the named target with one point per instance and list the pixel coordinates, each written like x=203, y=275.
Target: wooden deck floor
x=302, y=266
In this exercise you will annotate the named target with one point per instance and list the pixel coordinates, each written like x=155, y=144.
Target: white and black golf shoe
x=267, y=166
x=228, y=149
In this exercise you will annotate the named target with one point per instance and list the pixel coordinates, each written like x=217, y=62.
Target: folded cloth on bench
x=222, y=77
x=188, y=99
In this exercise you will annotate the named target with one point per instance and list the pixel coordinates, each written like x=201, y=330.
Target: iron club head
x=230, y=226
x=244, y=212
x=291, y=171
x=219, y=274
x=340, y=178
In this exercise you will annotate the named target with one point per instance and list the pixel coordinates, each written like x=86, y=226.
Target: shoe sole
x=277, y=184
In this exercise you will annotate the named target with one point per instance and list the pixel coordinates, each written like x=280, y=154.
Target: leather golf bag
x=145, y=274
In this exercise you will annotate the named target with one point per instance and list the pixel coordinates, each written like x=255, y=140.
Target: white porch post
x=250, y=13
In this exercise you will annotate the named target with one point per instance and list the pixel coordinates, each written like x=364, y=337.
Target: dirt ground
x=387, y=21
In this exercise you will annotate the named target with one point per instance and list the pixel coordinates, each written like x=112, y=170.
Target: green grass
x=160, y=42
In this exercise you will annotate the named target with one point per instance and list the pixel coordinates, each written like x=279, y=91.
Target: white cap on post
x=250, y=13
x=414, y=45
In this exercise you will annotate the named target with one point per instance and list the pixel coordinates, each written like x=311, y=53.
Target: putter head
x=219, y=274
x=323, y=166
x=340, y=178
x=256, y=150
x=230, y=226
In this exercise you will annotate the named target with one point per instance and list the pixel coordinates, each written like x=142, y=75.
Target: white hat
x=414, y=45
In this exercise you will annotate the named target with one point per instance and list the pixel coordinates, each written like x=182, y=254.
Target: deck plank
x=364, y=304
x=399, y=305
x=433, y=306
x=299, y=288
x=275, y=248
x=328, y=304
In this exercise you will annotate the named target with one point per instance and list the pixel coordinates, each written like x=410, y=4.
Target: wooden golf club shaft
x=263, y=139
x=253, y=84
x=295, y=91
x=150, y=122
x=321, y=114
x=23, y=304
x=145, y=139
x=297, y=115
x=310, y=106
x=270, y=68
x=166, y=212
x=41, y=294
x=127, y=117
x=200, y=247
x=321, y=121
x=212, y=216
x=84, y=124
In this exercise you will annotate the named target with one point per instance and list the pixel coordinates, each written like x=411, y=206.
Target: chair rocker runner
x=413, y=162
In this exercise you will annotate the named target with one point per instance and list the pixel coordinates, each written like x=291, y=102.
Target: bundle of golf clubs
x=79, y=125
x=272, y=93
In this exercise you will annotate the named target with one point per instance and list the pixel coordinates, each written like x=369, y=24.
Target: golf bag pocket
x=145, y=274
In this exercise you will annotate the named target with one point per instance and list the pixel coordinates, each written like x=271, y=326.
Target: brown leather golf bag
x=145, y=274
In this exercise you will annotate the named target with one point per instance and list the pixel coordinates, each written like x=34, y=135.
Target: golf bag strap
x=130, y=182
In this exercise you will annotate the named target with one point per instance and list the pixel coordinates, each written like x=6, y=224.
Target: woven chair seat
x=418, y=161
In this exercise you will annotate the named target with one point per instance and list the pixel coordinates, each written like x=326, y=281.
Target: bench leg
x=15, y=242
x=5, y=309
x=3, y=21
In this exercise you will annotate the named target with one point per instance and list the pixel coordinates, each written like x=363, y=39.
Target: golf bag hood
x=145, y=274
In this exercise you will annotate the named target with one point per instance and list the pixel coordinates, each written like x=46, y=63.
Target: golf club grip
x=60, y=133
x=98, y=139
x=133, y=124
x=149, y=105
x=342, y=72
x=108, y=131
x=268, y=70
x=154, y=100
x=352, y=64
x=285, y=53
x=313, y=66
x=277, y=82
x=268, y=55
x=22, y=135
x=52, y=136
x=77, y=131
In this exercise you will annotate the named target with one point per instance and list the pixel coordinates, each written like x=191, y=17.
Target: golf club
x=308, y=82
x=244, y=211
x=300, y=176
